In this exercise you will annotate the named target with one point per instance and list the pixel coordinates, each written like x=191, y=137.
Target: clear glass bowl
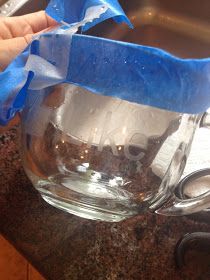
x=100, y=157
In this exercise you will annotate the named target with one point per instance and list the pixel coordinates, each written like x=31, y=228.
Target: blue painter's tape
x=140, y=74
x=71, y=11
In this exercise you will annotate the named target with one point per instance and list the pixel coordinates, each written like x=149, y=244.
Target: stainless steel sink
x=180, y=27
x=20, y=7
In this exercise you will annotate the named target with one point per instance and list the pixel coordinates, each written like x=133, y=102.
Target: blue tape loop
x=139, y=74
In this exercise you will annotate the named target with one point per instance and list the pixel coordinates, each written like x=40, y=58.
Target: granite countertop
x=65, y=247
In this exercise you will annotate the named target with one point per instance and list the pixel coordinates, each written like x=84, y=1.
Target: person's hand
x=17, y=32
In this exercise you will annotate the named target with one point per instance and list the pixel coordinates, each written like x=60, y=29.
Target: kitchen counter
x=65, y=247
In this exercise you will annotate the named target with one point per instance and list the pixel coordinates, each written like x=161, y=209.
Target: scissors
x=196, y=240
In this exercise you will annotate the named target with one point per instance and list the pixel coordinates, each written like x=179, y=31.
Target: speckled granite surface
x=65, y=247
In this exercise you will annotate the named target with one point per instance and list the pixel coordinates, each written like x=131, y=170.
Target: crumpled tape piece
x=73, y=11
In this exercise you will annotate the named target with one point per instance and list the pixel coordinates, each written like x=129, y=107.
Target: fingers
x=39, y=21
x=10, y=48
x=11, y=27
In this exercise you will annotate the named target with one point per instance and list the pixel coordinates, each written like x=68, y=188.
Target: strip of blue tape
x=140, y=74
